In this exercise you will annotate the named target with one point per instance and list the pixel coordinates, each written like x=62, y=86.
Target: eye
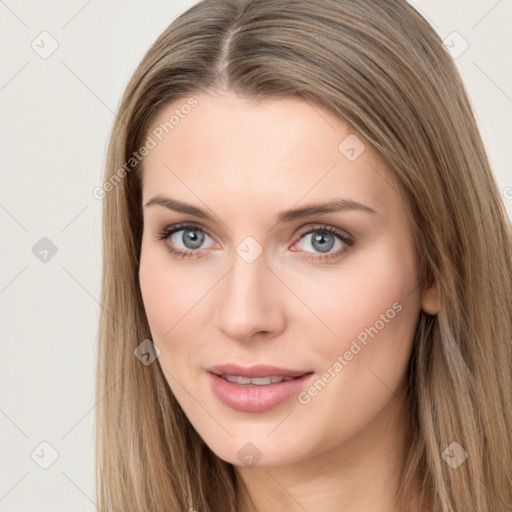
x=190, y=236
x=323, y=239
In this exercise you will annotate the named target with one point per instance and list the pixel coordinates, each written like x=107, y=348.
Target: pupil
x=321, y=238
x=191, y=239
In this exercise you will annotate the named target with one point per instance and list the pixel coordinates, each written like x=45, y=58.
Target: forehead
x=283, y=147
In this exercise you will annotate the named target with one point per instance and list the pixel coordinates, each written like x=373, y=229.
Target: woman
x=307, y=287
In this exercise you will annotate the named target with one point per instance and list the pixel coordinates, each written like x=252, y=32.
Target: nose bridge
x=248, y=279
x=247, y=304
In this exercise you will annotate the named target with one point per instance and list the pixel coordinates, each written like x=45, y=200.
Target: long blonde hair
x=379, y=66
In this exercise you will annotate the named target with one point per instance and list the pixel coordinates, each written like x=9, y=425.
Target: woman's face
x=329, y=298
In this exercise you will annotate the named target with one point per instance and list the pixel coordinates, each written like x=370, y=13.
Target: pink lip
x=253, y=398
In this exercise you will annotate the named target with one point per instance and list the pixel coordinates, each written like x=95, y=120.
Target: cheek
x=155, y=294
x=174, y=298
x=363, y=292
x=371, y=309
x=164, y=289
x=165, y=303
x=375, y=320
x=373, y=315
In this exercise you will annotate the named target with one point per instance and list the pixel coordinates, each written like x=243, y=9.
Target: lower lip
x=253, y=398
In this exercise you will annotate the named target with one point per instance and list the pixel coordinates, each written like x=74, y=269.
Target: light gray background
x=56, y=114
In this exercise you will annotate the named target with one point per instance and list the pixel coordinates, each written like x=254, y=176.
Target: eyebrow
x=285, y=216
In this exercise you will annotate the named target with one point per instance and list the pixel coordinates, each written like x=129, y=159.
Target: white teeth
x=258, y=381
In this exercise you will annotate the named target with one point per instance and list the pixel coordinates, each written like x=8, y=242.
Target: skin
x=244, y=162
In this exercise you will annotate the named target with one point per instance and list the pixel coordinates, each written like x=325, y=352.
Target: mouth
x=257, y=381
x=256, y=389
x=262, y=371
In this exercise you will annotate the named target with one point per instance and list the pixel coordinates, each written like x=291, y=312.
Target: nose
x=250, y=301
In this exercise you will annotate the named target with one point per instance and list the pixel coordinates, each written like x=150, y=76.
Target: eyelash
x=348, y=241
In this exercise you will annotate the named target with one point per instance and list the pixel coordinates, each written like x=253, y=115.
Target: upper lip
x=259, y=370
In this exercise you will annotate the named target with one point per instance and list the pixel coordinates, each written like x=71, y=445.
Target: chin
x=257, y=449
